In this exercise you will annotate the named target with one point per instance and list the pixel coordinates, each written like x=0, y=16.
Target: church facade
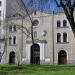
x=53, y=40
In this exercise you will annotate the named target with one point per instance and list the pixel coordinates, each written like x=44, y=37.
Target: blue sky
x=44, y=5
x=48, y=5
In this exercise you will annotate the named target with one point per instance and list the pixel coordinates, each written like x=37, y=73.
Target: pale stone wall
x=2, y=18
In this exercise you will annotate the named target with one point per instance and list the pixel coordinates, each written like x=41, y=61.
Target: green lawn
x=37, y=70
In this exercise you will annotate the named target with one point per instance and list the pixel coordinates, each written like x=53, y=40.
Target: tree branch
x=73, y=4
x=58, y=5
x=62, y=4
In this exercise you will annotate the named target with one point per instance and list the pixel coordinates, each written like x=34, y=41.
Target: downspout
x=53, y=33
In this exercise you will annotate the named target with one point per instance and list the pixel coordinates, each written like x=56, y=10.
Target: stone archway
x=62, y=57
x=12, y=58
x=35, y=54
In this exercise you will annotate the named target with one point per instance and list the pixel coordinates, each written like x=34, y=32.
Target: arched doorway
x=12, y=58
x=62, y=57
x=35, y=54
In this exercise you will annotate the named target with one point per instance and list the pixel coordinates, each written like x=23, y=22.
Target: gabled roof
x=15, y=8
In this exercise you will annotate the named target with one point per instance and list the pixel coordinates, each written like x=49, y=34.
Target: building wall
x=2, y=22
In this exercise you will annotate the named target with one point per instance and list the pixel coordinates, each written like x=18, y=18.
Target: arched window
x=35, y=12
x=10, y=28
x=0, y=45
x=10, y=40
x=58, y=23
x=14, y=28
x=0, y=3
x=64, y=23
x=14, y=40
x=0, y=23
x=0, y=35
x=58, y=37
x=0, y=12
x=35, y=34
x=65, y=37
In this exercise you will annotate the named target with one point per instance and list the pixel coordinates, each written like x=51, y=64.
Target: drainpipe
x=53, y=33
x=22, y=40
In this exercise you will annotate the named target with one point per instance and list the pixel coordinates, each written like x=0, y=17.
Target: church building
x=53, y=41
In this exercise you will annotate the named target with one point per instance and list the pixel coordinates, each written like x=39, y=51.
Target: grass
x=37, y=70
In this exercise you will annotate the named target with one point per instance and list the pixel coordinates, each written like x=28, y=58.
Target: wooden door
x=12, y=58
x=35, y=54
x=62, y=57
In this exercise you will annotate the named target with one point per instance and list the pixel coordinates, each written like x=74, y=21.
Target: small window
x=0, y=3
x=0, y=12
x=0, y=56
x=35, y=34
x=58, y=37
x=0, y=46
x=64, y=37
x=0, y=23
x=10, y=40
x=58, y=23
x=34, y=12
x=64, y=23
x=14, y=28
x=10, y=28
x=14, y=40
x=0, y=35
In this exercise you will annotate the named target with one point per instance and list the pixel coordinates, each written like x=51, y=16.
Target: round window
x=35, y=22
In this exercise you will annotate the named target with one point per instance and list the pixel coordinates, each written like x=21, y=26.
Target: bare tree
x=68, y=7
